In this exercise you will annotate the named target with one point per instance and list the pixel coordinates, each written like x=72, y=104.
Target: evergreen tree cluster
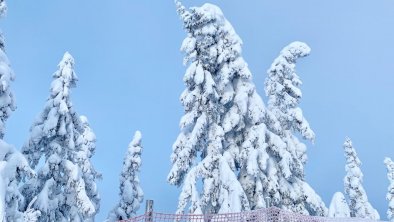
x=227, y=129
x=52, y=178
x=233, y=153
x=242, y=151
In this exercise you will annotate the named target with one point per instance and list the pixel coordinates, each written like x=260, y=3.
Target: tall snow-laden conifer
x=339, y=206
x=282, y=88
x=359, y=205
x=213, y=53
x=86, y=149
x=53, y=149
x=13, y=165
x=131, y=194
x=390, y=190
x=7, y=76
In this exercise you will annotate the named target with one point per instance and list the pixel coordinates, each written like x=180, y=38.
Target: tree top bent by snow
x=207, y=12
x=282, y=87
x=203, y=15
x=210, y=12
x=295, y=50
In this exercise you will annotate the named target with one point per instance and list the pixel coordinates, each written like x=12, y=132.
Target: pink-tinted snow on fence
x=272, y=214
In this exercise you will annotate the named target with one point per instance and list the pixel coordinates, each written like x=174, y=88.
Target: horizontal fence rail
x=272, y=214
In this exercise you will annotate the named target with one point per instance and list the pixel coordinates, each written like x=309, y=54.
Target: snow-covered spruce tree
x=53, y=150
x=85, y=151
x=13, y=165
x=213, y=53
x=359, y=205
x=7, y=76
x=282, y=88
x=390, y=190
x=339, y=206
x=131, y=194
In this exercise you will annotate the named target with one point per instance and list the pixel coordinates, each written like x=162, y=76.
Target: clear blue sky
x=130, y=71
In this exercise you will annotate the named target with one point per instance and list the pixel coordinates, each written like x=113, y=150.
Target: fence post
x=268, y=202
x=149, y=211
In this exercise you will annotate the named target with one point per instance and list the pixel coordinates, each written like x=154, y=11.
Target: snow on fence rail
x=272, y=214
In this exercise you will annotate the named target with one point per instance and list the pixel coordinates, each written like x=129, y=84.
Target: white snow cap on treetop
x=66, y=69
x=296, y=50
x=210, y=12
x=67, y=57
x=207, y=13
x=137, y=139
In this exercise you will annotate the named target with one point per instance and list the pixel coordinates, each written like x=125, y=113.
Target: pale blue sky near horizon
x=130, y=78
